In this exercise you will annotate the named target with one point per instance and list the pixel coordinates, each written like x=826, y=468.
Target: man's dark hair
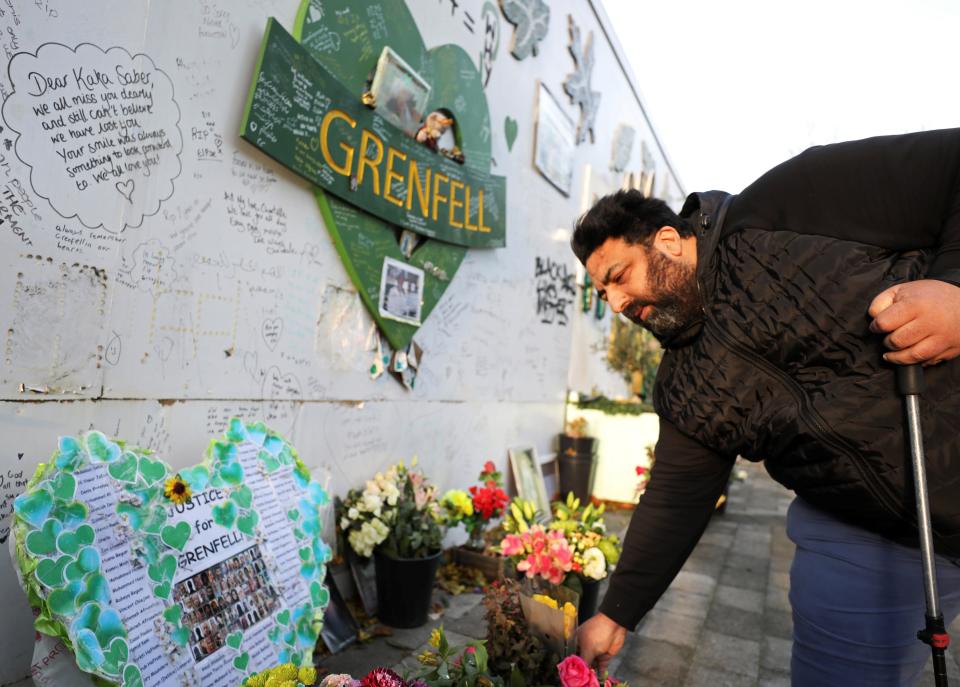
x=625, y=214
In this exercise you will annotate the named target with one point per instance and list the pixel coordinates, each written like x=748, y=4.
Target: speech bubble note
x=100, y=130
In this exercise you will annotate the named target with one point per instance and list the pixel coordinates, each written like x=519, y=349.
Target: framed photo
x=555, y=142
x=401, y=291
x=399, y=92
x=528, y=476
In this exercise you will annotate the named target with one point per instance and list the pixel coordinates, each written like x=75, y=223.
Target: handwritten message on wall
x=100, y=130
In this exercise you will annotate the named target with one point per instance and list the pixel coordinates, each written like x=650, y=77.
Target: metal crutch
x=910, y=385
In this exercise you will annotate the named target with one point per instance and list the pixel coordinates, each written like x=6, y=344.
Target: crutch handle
x=910, y=380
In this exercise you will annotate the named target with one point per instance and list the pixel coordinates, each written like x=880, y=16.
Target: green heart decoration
x=175, y=550
x=362, y=240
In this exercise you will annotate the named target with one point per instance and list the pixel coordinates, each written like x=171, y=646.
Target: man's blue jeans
x=857, y=604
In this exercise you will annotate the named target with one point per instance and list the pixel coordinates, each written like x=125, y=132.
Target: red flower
x=641, y=471
x=382, y=677
x=488, y=501
x=489, y=468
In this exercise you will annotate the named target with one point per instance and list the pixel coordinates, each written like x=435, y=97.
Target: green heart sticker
x=87, y=650
x=63, y=601
x=33, y=507
x=125, y=469
x=151, y=470
x=50, y=572
x=70, y=514
x=283, y=617
x=173, y=614
x=70, y=542
x=181, y=635
x=247, y=523
x=162, y=591
x=225, y=514
x=241, y=661
x=234, y=640
x=116, y=656
x=44, y=541
x=198, y=478
x=101, y=449
x=231, y=473
x=96, y=589
x=305, y=553
x=131, y=676
x=243, y=496
x=293, y=514
x=163, y=569
x=176, y=536
x=64, y=486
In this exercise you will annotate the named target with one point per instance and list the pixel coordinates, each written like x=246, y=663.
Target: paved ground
x=724, y=622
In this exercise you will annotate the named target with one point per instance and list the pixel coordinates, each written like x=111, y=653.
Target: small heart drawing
x=271, y=331
x=126, y=189
x=510, y=130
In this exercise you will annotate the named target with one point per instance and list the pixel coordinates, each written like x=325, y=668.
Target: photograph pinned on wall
x=399, y=93
x=528, y=476
x=555, y=142
x=401, y=291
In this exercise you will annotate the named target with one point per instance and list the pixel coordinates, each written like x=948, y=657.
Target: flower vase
x=405, y=588
x=589, y=600
x=475, y=541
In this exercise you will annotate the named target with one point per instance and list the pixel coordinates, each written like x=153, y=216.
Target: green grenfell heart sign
x=373, y=179
x=161, y=578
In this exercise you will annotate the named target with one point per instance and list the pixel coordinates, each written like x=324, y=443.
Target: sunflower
x=176, y=489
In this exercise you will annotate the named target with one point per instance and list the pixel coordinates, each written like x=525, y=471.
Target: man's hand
x=921, y=319
x=600, y=639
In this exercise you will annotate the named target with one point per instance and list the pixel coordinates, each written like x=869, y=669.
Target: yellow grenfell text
x=371, y=162
x=437, y=197
x=426, y=192
x=454, y=203
x=423, y=190
x=393, y=154
x=343, y=169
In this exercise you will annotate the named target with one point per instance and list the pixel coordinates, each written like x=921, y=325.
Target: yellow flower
x=307, y=675
x=435, y=637
x=176, y=490
x=458, y=502
x=546, y=600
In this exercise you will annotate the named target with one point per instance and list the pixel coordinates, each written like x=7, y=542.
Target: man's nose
x=618, y=300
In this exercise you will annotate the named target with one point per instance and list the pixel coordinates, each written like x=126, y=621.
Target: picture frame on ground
x=528, y=476
x=555, y=142
x=400, y=93
x=339, y=626
x=401, y=291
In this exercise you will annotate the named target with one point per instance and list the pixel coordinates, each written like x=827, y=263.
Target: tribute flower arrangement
x=574, y=672
x=396, y=510
x=476, y=507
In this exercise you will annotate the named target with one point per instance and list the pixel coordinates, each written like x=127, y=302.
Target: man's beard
x=676, y=300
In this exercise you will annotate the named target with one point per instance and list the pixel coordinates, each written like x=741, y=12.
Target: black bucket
x=405, y=588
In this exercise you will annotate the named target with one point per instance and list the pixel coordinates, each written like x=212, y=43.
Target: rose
x=574, y=672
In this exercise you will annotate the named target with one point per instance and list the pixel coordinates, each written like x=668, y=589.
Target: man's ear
x=668, y=240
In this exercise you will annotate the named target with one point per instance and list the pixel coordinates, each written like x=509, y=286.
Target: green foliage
x=416, y=531
x=611, y=407
x=455, y=666
x=635, y=354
